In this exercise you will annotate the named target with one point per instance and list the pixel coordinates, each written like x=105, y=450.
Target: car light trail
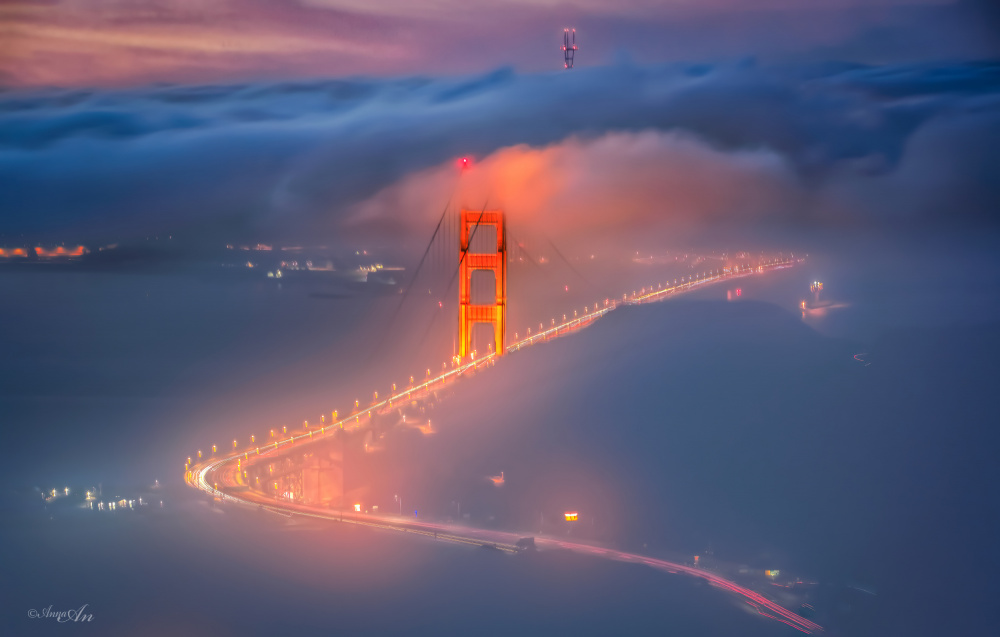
x=219, y=472
x=501, y=540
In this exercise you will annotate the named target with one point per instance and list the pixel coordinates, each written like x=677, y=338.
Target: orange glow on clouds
x=625, y=180
x=69, y=43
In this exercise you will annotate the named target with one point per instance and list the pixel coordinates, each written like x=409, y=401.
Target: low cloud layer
x=650, y=182
x=802, y=147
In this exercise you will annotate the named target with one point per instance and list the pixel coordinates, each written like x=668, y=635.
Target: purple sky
x=263, y=120
x=91, y=42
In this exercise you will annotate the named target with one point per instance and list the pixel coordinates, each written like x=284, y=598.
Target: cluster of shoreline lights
x=59, y=252
x=458, y=366
x=94, y=504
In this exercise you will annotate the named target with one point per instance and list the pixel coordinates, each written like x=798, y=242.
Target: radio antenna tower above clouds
x=569, y=46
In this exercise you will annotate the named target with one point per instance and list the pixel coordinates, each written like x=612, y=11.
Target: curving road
x=219, y=477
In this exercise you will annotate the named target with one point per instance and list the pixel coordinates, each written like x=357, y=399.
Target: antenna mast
x=569, y=46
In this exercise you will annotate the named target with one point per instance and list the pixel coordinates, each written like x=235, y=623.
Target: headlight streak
x=503, y=541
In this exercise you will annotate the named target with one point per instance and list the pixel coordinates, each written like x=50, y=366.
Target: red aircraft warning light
x=569, y=46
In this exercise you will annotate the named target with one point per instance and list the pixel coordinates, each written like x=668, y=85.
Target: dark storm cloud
x=292, y=158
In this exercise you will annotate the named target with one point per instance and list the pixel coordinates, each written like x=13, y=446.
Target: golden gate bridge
x=274, y=476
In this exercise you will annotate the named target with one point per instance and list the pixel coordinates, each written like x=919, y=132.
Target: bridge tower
x=496, y=262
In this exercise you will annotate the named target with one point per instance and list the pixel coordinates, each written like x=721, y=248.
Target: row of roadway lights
x=541, y=326
x=305, y=425
x=457, y=360
x=607, y=302
x=690, y=279
x=284, y=429
x=682, y=281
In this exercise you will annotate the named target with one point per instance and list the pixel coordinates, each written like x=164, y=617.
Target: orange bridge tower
x=496, y=262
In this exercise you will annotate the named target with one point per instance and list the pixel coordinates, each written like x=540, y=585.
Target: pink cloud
x=87, y=42
x=647, y=182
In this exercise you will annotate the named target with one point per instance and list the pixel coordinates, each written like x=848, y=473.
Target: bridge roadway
x=219, y=477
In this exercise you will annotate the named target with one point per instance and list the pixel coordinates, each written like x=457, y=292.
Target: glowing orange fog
x=586, y=187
